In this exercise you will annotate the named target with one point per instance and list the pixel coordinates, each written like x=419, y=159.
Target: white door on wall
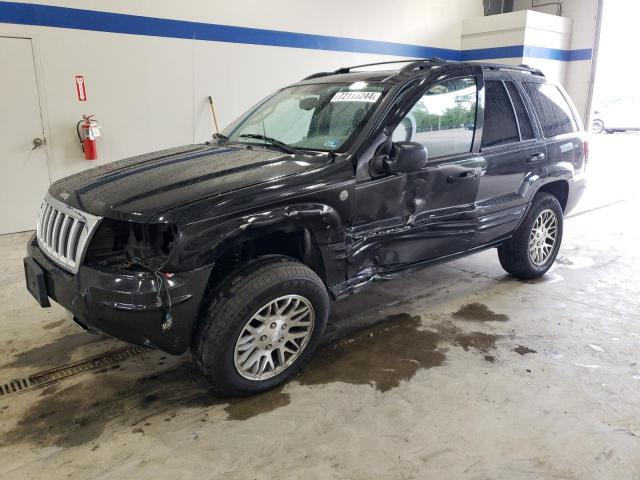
x=24, y=176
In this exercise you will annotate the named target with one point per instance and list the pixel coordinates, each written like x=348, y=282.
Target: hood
x=139, y=187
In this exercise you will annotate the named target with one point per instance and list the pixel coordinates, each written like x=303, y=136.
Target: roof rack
x=518, y=68
x=410, y=61
x=424, y=63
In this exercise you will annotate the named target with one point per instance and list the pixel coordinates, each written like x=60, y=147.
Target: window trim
x=515, y=116
x=431, y=159
x=528, y=111
x=513, y=109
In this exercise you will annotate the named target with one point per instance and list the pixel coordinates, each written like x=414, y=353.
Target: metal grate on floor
x=55, y=374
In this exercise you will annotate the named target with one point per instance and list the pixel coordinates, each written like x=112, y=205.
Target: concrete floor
x=456, y=372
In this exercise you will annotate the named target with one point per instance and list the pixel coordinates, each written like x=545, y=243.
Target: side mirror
x=408, y=157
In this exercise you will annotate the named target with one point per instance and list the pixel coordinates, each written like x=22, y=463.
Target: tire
x=240, y=317
x=516, y=256
x=597, y=126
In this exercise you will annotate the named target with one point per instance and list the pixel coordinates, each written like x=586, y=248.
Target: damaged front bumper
x=127, y=307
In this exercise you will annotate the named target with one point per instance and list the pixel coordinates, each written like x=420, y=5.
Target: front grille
x=64, y=233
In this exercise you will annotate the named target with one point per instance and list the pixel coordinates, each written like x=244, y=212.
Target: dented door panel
x=411, y=218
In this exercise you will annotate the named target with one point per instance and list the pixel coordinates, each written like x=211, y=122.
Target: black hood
x=139, y=187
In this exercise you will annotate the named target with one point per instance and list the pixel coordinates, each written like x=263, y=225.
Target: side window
x=443, y=120
x=499, y=120
x=526, y=131
x=553, y=110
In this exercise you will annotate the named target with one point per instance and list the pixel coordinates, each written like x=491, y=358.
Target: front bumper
x=126, y=307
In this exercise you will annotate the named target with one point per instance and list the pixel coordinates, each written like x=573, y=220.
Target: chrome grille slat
x=73, y=238
x=64, y=237
x=52, y=216
x=64, y=233
x=45, y=221
x=55, y=236
x=43, y=207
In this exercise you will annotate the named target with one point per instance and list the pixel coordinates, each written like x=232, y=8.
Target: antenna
x=213, y=112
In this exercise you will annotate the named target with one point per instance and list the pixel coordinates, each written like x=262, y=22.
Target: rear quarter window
x=556, y=117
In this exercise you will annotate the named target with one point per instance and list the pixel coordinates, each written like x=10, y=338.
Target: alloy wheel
x=542, y=239
x=274, y=337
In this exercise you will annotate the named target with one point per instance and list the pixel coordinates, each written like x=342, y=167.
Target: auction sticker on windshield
x=356, y=97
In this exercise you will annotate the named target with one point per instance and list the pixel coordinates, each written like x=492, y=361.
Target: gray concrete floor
x=456, y=372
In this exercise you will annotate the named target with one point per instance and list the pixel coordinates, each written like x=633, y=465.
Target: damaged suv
x=235, y=248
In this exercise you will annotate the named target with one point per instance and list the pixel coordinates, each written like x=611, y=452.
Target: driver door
x=404, y=219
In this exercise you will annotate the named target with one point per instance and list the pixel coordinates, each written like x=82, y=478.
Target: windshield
x=314, y=117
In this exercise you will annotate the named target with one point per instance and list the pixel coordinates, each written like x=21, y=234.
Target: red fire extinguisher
x=88, y=130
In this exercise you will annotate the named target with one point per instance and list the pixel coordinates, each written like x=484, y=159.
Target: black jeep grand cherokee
x=234, y=248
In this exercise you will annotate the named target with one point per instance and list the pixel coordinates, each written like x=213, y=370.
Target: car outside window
x=500, y=127
x=443, y=120
x=314, y=117
x=552, y=108
x=524, y=122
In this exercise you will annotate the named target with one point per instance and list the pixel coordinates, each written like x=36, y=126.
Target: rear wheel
x=597, y=126
x=533, y=248
x=261, y=325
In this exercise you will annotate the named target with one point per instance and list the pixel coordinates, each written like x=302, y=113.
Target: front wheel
x=261, y=325
x=533, y=247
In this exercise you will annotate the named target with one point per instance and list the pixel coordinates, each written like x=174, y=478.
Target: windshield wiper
x=273, y=141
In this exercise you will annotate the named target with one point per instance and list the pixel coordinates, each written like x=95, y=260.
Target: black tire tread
x=230, y=297
x=514, y=253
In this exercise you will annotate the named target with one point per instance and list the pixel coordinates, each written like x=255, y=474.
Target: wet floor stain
x=391, y=352
x=522, y=350
x=248, y=407
x=57, y=352
x=49, y=389
x=482, y=342
x=382, y=356
x=57, y=324
x=478, y=312
x=575, y=262
x=80, y=413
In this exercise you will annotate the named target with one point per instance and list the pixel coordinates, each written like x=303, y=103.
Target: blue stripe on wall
x=491, y=53
x=79, y=19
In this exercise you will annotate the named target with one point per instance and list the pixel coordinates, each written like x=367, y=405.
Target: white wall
x=150, y=92
x=578, y=73
x=523, y=27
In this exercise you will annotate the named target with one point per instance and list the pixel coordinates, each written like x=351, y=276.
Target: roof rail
x=519, y=68
x=424, y=63
x=316, y=75
x=348, y=69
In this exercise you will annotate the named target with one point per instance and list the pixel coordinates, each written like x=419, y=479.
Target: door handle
x=466, y=176
x=536, y=157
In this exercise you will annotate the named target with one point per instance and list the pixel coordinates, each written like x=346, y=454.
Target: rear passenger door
x=513, y=153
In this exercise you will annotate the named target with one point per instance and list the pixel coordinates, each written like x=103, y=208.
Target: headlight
x=117, y=244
